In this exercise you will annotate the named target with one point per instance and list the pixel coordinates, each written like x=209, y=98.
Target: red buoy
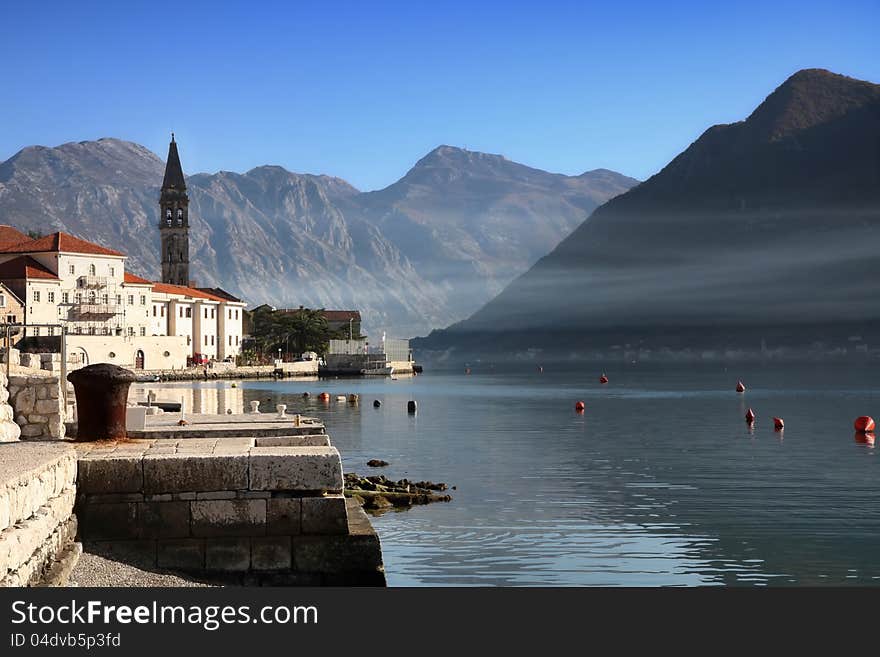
x=865, y=424
x=603, y=379
x=580, y=406
x=750, y=416
x=740, y=387
x=778, y=423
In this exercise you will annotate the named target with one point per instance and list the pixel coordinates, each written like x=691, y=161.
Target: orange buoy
x=740, y=387
x=580, y=406
x=603, y=379
x=778, y=423
x=324, y=396
x=865, y=424
x=750, y=416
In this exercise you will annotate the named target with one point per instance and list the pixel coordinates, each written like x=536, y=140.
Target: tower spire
x=174, y=221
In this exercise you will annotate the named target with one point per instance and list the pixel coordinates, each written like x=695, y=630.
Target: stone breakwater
x=228, y=509
x=37, y=525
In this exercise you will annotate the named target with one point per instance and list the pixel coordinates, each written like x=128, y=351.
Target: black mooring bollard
x=101, y=399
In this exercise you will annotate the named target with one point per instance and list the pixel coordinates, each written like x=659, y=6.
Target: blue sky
x=363, y=89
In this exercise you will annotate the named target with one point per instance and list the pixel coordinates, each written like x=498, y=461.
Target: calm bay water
x=659, y=482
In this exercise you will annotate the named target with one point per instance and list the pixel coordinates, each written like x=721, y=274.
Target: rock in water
x=377, y=463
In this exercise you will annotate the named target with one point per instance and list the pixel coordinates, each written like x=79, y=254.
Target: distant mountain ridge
x=419, y=254
x=769, y=223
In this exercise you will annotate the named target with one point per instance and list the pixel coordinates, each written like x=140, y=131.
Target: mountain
x=422, y=253
x=765, y=229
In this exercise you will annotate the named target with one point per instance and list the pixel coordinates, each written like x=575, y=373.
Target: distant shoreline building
x=111, y=315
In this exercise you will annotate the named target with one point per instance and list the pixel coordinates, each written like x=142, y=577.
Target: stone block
x=217, y=495
x=111, y=475
x=108, y=521
x=24, y=401
x=228, y=554
x=140, y=553
x=284, y=516
x=183, y=553
x=228, y=517
x=324, y=515
x=47, y=406
x=164, y=519
x=33, y=430
x=31, y=361
x=172, y=473
x=336, y=554
x=308, y=440
x=271, y=553
x=295, y=468
x=9, y=432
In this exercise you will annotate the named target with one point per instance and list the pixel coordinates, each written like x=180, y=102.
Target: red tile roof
x=60, y=243
x=25, y=267
x=10, y=236
x=342, y=315
x=131, y=279
x=167, y=288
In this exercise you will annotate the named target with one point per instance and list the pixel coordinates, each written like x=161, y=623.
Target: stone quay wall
x=37, y=525
x=226, y=509
x=37, y=405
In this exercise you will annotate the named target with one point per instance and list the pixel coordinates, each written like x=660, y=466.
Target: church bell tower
x=174, y=221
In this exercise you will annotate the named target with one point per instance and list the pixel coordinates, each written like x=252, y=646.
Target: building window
x=143, y=331
x=236, y=314
x=206, y=340
x=162, y=310
x=212, y=313
x=131, y=330
x=130, y=299
x=36, y=296
x=206, y=313
x=51, y=330
x=71, y=269
x=181, y=311
x=113, y=271
x=79, y=297
x=92, y=270
x=105, y=331
x=154, y=311
x=143, y=300
x=189, y=312
x=65, y=297
x=91, y=330
x=2, y=300
x=92, y=297
x=105, y=299
x=118, y=299
x=188, y=341
x=212, y=340
x=51, y=296
x=236, y=340
x=230, y=340
x=36, y=330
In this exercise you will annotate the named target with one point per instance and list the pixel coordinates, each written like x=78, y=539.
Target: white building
x=113, y=316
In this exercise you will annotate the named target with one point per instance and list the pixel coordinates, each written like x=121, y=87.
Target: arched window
x=168, y=217
x=179, y=216
x=92, y=270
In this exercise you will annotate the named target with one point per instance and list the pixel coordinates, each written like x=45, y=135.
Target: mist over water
x=659, y=482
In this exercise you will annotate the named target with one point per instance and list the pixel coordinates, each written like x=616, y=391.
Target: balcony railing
x=91, y=282
x=94, y=310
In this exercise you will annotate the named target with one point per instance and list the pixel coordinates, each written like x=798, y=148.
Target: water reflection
x=641, y=489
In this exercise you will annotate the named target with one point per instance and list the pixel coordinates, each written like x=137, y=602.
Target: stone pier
x=263, y=510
